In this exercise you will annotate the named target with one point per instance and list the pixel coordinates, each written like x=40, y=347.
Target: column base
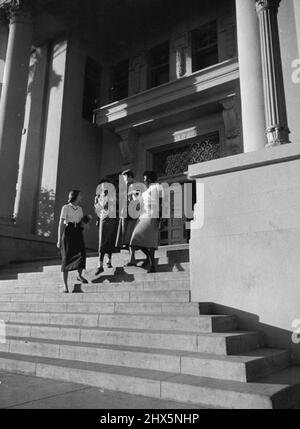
x=277, y=136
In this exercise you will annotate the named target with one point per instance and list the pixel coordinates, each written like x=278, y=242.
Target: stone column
x=297, y=20
x=13, y=99
x=251, y=81
x=275, y=105
x=3, y=44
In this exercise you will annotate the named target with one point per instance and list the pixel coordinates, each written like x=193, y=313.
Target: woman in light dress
x=146, y=232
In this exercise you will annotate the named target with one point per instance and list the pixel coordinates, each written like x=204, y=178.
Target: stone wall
x=245, y=258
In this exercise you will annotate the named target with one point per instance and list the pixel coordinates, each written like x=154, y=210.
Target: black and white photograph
x=149, y=207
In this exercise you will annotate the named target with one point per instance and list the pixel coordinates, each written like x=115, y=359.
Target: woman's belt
x=75, y=224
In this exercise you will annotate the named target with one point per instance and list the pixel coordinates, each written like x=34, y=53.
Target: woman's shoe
x=64, y=291
x=99, y=271
x=82, y=280
x=109, y=265
x=145, y=264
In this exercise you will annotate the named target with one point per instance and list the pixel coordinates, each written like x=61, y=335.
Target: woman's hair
x=151, y=176
x=128, y=173
x=73, y=195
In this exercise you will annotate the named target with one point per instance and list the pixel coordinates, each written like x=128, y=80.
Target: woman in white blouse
x=70, y=238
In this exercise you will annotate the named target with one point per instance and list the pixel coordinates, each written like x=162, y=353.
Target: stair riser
x=209, y=367
x=97, y=288
x=211, y=397
x=138, y=273
x=233, y=371
x=138, y=297
x=196, y=324
x=190, y=343
x=218, y=398
x=104, y=356
x=108, y=308
x=177, y=324
x=115, y=382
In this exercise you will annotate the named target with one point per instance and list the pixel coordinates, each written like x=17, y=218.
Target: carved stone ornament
x=262, y=5
x=18, y=10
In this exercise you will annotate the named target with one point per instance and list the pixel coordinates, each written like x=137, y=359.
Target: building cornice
x=166, y=97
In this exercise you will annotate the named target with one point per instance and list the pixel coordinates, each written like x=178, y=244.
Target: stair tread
x=129, y=315
x=151, y=331
x=269, y=386
x=241, y=358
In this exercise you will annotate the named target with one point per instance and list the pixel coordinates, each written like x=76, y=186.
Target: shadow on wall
x=274, y=337
x=54, y=80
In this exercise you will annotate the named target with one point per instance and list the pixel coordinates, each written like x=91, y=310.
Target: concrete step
x=176, y=257
x=113, y=274
x=162, y=266
x=209, y=323
x=255, y=365
x=55, y=287
x=227, y=343
x=135, y=296
x=265, y=394
x=109, y=276
x=188, y=309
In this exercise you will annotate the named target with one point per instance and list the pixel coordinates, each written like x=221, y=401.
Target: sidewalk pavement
x=28, y=392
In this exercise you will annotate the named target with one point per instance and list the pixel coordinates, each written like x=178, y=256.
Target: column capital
x=18, y=10
x=262, y=5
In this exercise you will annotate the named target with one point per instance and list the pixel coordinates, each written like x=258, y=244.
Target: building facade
x=201, y=91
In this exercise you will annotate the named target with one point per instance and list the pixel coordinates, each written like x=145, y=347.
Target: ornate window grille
x=175, y=161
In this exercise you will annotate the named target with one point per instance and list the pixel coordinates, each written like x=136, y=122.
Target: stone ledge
x=153, y=100
x=245, y=161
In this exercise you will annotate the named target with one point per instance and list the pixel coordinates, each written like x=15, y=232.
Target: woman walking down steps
x=71, y=240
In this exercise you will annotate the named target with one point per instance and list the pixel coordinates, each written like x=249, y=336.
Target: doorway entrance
x=171, y=164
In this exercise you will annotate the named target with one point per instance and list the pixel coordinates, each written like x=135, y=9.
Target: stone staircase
x=138, y=333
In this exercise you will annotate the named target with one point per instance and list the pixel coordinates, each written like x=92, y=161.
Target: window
x=92, y=87
x=205, y=46
x=159, y=65
x=120, y=77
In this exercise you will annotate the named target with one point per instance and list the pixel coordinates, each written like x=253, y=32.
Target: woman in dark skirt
x=71, y=240
x=126, y=223
x=105, y=208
